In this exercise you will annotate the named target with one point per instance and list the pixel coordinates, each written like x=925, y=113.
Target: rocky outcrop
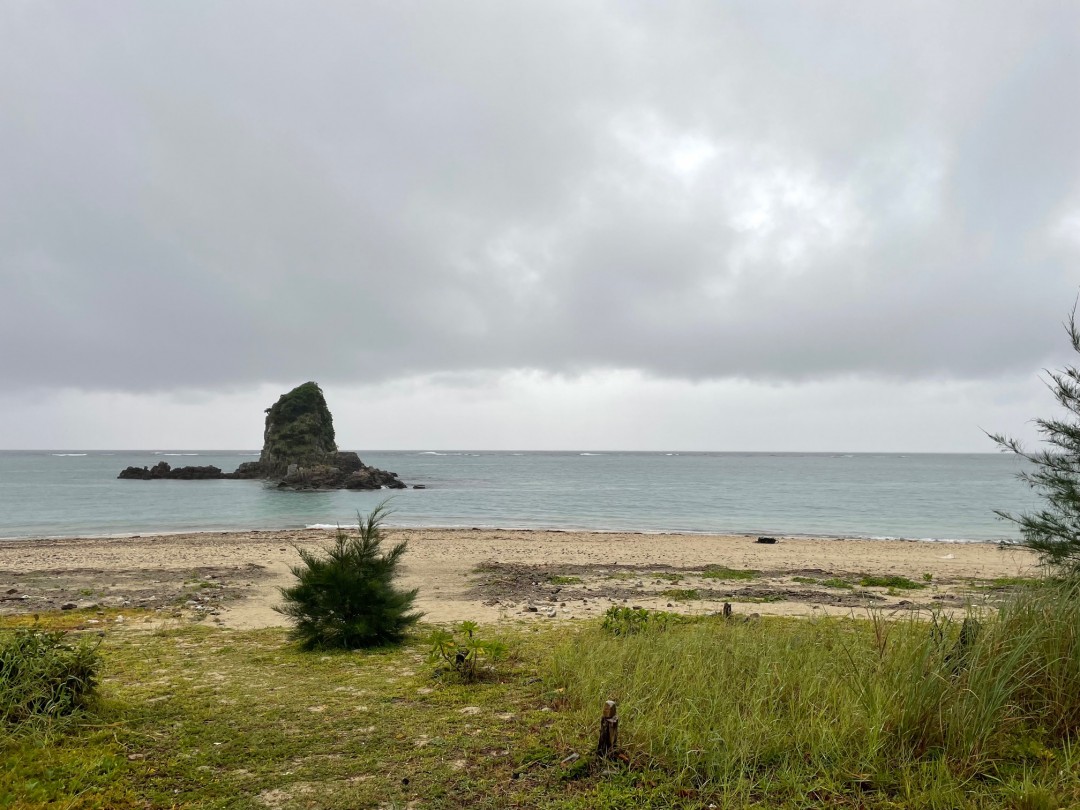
x=341, y=471
x=299, y=452
x=163, y=470
x=299, y=431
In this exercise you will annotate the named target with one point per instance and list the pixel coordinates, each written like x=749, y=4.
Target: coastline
x=497, y=575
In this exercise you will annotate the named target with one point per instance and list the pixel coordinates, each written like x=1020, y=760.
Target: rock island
x=299, y=452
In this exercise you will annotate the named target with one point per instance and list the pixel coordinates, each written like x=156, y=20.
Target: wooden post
x=609, y=731
x=727, y=610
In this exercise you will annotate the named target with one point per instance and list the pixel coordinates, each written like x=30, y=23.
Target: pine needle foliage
x=345, y=595
x=1054, y=530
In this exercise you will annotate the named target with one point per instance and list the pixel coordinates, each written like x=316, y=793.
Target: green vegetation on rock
x=299, y=429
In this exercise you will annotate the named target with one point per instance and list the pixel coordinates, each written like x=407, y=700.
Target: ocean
x=915, y=496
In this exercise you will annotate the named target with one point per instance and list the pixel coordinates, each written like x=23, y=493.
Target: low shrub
x=463, y=651
x=44, y=675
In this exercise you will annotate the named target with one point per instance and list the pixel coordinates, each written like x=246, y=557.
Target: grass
x=836, y=582
x=722, y=572
x=877, y=713
x=840, y=712
x=198, y=717
x=891, y=581
x=45, y=674
x=564, y=580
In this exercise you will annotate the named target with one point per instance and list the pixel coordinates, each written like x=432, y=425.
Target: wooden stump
x=609, y=731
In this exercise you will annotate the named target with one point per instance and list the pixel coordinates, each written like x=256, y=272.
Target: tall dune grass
x=746, y=709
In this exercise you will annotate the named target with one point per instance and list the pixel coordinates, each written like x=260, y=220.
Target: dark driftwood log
x=609, y=731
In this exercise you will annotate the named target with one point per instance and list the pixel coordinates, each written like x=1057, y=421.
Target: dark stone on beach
x=298, y=452
x=68, y=606
x=767, y=540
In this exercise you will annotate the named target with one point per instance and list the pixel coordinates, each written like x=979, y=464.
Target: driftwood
x=609, y=731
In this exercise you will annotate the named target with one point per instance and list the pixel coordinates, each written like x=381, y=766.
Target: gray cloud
x=214, y=194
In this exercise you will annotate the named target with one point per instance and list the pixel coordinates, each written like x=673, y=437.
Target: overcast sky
x=506, y=225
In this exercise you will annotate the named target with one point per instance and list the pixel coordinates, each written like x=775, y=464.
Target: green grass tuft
x=891, y=581
x=837, y=583
x=44, y=674
x=564, y=580
x=722, y=572
x=667, y=577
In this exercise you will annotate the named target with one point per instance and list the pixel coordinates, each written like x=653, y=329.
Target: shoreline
x=500, y=575
x=1001, y=541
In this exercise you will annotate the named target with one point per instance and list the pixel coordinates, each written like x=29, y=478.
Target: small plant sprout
x=463, y=651
x=928, y=577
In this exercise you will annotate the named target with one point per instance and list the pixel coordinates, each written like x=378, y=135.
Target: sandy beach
x=232, y=578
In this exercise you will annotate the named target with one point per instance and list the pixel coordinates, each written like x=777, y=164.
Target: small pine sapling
x=345, y=596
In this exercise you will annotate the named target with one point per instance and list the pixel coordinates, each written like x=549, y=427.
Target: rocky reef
x=163, y=470
x=299, y=452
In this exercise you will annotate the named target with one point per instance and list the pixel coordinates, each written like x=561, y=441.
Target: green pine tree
x=1054, y=530
x=345, y=596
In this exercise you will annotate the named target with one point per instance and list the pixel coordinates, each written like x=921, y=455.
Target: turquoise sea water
x=919, y=496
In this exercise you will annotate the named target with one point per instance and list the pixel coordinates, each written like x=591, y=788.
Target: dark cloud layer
x=203, y=194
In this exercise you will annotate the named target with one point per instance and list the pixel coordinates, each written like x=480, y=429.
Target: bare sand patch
x=499, y=575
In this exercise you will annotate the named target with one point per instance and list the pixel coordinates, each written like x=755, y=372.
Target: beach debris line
x=299, y=452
